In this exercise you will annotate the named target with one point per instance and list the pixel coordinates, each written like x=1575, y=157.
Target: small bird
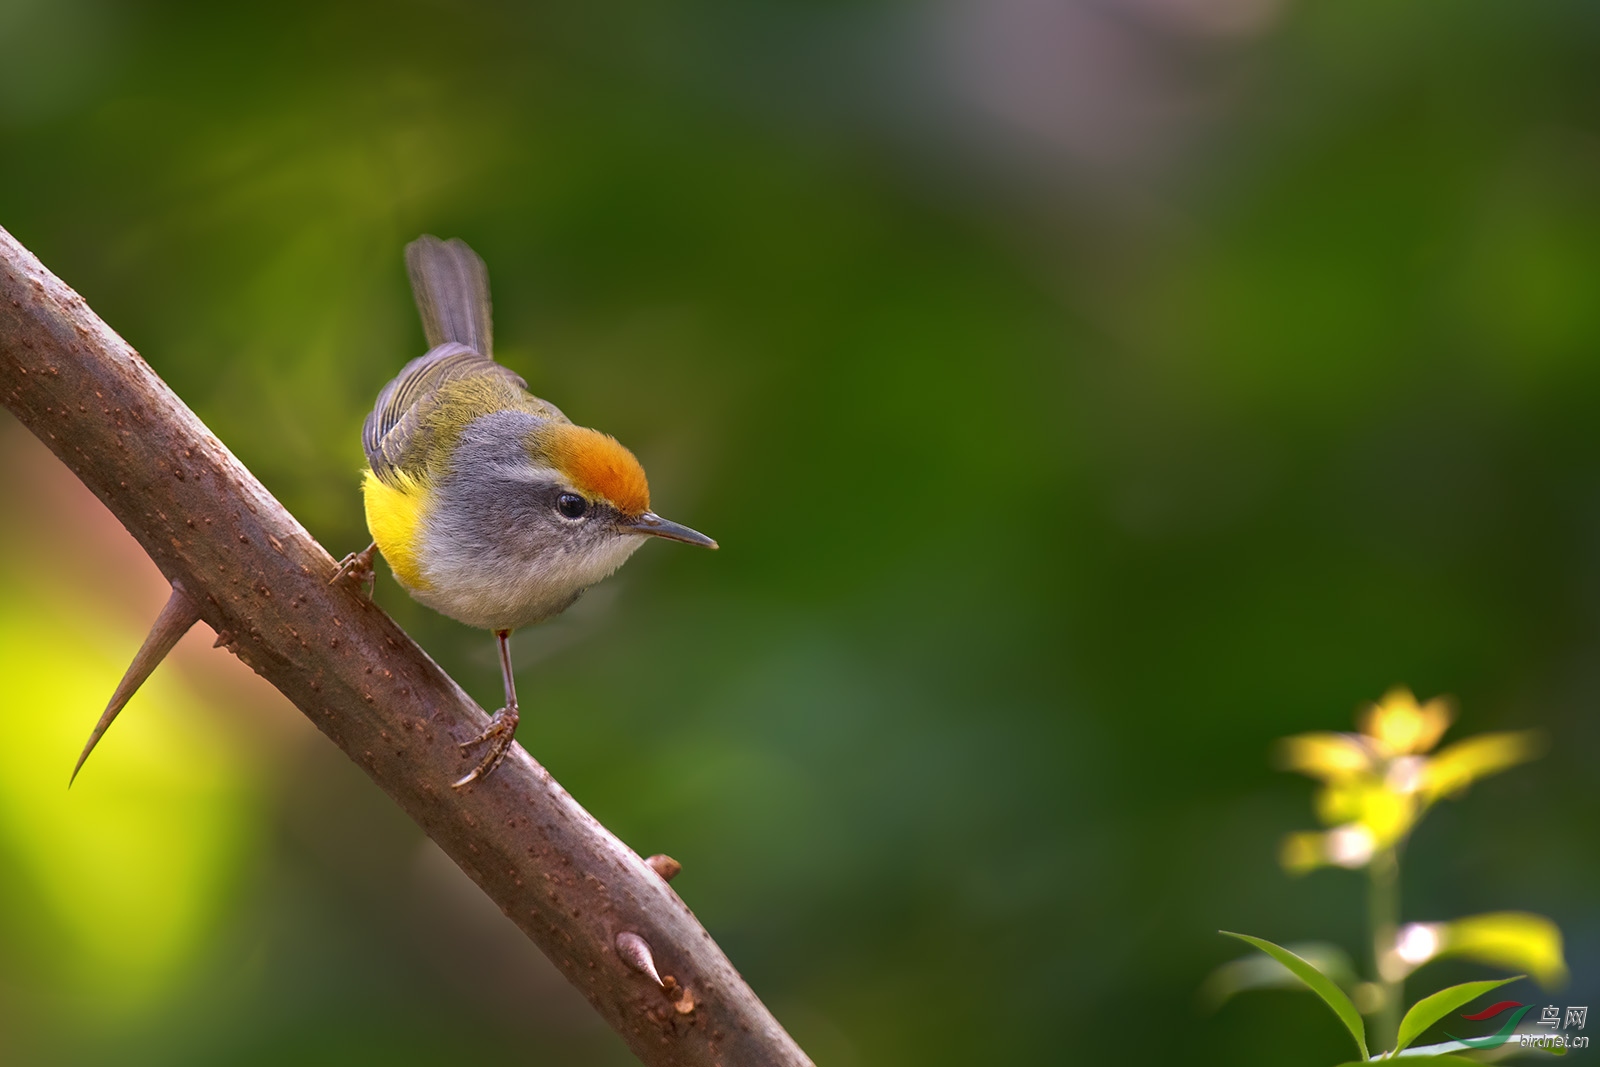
x=489, y=505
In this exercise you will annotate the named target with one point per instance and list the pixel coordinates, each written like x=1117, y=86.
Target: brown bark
x=258, y=578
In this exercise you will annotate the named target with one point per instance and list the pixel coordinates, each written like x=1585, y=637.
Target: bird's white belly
x=503, y=592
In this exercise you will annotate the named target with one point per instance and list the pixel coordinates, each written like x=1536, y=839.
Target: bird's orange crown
x=596, y=463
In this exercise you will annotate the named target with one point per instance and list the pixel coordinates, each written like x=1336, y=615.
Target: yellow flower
x=1398, y=726
x=1464, y=762
x=1514, y=940
x=1329, y=756
x=1377, y=783
x=1343, y=846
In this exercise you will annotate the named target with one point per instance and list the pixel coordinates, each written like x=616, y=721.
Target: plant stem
x=1383, y=915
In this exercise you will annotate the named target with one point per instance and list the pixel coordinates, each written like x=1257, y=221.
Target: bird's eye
x=572, y=505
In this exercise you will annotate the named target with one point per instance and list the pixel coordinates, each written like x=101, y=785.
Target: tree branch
x=242, y=563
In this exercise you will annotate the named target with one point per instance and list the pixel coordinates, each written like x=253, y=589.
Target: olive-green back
x=421, y=412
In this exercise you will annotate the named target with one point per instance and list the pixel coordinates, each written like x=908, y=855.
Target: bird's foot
x=358, y=565
x=501, y=733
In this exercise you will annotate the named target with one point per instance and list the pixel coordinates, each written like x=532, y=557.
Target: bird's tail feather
x=451, y=285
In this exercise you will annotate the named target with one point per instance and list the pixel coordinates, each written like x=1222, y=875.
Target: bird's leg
x=358, y=565
x=501, y=732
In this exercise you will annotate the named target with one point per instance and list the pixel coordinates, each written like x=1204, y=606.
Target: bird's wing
x=439, y=393
x=451, y=285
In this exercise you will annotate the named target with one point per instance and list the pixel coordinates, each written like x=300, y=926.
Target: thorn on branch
x=665, y=866
x=635, y=952
x=175, y=620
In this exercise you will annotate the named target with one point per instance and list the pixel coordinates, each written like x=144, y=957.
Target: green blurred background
x=1085, y=393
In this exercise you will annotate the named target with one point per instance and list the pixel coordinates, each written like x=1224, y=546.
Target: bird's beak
x=654, y=525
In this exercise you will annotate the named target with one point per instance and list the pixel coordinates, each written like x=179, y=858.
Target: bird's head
x=599, y=490
x=530, y=511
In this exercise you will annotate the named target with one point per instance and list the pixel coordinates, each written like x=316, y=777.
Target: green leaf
x=1429, y=1010
x=1257, y=971
x=1442, y=1058
x=1319, y=984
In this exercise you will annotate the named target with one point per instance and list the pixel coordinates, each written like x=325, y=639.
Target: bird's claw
x=501, y=733
x=358, y=565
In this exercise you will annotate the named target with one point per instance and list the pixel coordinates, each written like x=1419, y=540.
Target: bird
x=488, y=504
